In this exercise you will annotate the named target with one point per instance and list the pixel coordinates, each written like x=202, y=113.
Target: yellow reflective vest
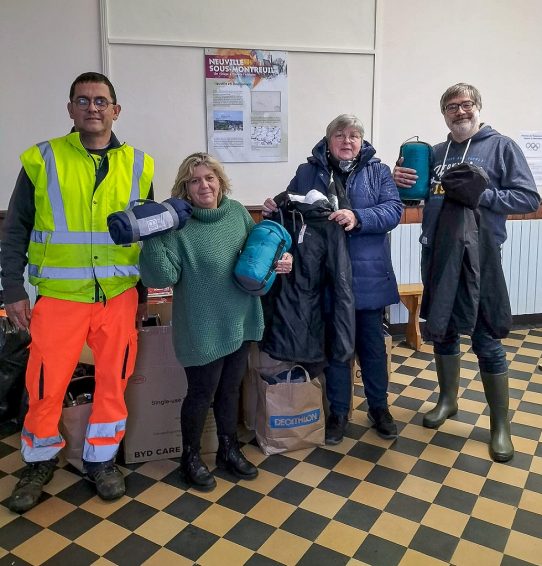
x=70, y=248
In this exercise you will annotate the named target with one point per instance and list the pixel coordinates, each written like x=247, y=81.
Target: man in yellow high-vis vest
x=87, y=287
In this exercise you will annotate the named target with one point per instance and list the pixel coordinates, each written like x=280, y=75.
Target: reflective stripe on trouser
x=59, y=330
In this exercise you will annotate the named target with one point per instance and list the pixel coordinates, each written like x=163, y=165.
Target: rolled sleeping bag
x=254, y=270
x=147, y=218
x=416, y=155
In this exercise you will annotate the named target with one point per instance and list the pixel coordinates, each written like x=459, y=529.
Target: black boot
x=194, y=472
x=335, y=428
x=107, y=477
x=29, y=488
x=229, y=457
x=448, y=381
x=501, y=448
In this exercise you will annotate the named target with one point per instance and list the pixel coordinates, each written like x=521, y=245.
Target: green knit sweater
x=212, y=317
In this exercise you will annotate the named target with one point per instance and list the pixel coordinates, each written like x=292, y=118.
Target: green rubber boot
x=501, y=448
x=448, y=380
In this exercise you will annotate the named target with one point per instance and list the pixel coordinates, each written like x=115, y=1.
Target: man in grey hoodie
x=511, y=190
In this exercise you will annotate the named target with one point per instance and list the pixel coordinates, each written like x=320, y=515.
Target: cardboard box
x=154, y=397
x=157, y=306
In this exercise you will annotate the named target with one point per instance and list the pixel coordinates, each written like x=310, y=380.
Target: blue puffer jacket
x=375, y=202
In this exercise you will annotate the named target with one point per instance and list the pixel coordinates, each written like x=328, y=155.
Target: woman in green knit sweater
x=213, y=320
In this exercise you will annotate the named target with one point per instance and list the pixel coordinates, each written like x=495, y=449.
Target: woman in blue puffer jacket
x=366, y=203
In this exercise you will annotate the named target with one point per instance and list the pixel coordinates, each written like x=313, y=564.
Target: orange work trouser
x=59, y=330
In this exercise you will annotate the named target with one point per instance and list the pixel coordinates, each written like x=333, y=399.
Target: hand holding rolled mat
x=145, y=219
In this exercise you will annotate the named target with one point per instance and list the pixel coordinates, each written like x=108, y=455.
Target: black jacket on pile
x=318, y=290
x=463, y=278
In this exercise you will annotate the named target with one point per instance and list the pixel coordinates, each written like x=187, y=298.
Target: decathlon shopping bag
x=254, y=271
x=290, y=414
x=260, y=364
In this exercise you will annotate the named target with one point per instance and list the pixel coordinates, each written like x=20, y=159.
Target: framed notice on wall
x=247, y=104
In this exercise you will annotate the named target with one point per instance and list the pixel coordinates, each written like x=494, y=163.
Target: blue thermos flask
x=416, y=155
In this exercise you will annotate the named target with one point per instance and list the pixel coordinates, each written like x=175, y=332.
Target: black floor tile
x=502, y=492
x=409, y=370
x=132, y=551
x=367, y=452
x=339, y=484
x=473, y=395
x=386, y=477
x=379, y=552
x=434, y=543
x=72, y=555
x=290, y=491
x=137, y=483
x=12, y=560
x=16, y=532
x=249, y=533
x=450, y=441
x=357, y=515
x=259, y=560
x=473, y=465
x=132, y=515
x=305, y=524
x=75, y=524
x=323, y=458
x=278, y=464
x=191, y=542
x=528, y=523
x=409, y=403
x=423, y=383
x=320, y=556
x=240, y=499
x=511, y=561
x=187, y=507
x=408, y=446
x=534, y=482
x=407, y=507
x=486, y=534
x=430, y=471
x=525, y=431
x=78, y=493
x=455, y=499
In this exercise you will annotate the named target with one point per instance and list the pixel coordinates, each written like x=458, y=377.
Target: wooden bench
x=411, y=297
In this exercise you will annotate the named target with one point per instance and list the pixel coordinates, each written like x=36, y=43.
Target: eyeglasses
x=354, y=137
x=100, y=103
x=453, y=108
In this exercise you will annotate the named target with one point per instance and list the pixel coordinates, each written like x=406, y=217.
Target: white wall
x=155, y=49
x=427, y=45
x=44, y=46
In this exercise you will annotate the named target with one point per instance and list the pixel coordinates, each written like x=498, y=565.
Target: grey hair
x=344, y=121
x=458, y=90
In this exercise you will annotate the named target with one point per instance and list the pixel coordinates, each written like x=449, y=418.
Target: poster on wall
x=531, y=145
x=247, y=104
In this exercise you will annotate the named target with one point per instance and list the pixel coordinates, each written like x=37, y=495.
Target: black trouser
x=218, y=382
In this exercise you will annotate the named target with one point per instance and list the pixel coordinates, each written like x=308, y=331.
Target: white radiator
x=521, y=257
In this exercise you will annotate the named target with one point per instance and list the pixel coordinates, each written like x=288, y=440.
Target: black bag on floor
x=13, y=359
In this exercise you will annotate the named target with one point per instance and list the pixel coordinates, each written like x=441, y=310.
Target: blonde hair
x=186, y=171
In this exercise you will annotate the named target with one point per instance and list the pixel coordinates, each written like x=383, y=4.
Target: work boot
x=194, y=472
x=335, y=428
x=383, y=422
x=107, y=477
x=230, y=458
x=501, y=448
x=448, y=381
x=29, y=488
